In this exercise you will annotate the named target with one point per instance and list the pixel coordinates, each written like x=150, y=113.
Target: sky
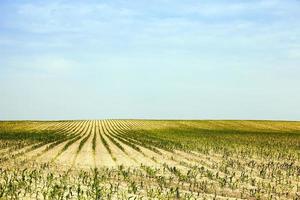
x=158, y=59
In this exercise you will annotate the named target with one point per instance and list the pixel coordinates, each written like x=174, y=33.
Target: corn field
x=149, y=159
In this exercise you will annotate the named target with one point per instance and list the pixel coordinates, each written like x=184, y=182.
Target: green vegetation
x=283, y=143
x=12, y=131
x=166, y=160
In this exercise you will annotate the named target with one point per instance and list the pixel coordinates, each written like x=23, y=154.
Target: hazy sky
x=189, y=59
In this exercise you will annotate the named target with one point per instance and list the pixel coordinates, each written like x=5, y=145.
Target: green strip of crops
x=30, y=135
x=21, y=131
x=185, y=137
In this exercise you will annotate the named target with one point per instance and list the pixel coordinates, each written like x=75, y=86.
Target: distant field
x=149, y=159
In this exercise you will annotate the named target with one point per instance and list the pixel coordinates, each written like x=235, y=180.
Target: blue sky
x=150, y=59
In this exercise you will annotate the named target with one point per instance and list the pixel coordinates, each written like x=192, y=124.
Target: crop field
x=149, y=159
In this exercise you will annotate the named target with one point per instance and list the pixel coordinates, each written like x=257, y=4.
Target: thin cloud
x=133, y=47
x=46, y=64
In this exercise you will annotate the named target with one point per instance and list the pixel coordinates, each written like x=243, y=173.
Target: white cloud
x=242, y=8
x=52, y=64
x=294, y=54
x=45, y=64
x=56, y=17
x=111, y=27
